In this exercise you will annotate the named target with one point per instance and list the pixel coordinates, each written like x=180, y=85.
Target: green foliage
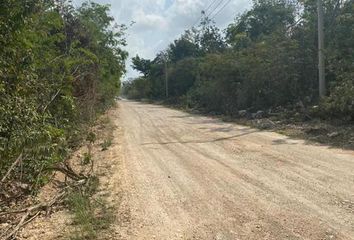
x=209, y=37
x=265, y=17
x=80, y=205
x=106, y=144
x=59, y=67
x=137, y=89
x=184, y=47
x=90, y=215
x=141, y=65
x=267, y=59
x=183, y=74
x=217, y=80
x=87, y=158
x=91, y=137
x=340, y=102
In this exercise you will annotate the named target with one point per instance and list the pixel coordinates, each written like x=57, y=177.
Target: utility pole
x=321, y=57
x=166, y=76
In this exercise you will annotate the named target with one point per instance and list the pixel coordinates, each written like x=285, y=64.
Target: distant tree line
x=265, y=59
x=59, y=68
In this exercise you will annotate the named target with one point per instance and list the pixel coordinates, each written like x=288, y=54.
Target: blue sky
x=159, y=22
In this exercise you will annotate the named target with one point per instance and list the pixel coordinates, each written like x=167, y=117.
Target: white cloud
x=187, y=7
x=145, y=22
x=159, y=22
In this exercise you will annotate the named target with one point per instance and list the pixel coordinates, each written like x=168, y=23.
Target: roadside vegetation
x=263, y=64
x=90, y=214
x=60, y=69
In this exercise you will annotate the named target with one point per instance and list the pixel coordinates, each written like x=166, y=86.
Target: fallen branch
x=67, y=171
x=13, y=212
x=24, y=216
x=14, y=164
x=31, y=213
x=51, y=100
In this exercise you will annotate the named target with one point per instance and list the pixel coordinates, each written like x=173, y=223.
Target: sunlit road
x=195, y=177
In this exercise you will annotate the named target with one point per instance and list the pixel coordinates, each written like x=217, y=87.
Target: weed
x=84, y=218
x=106, y=144
x=91, y=137
x=91, y=188
x=87, y=159
x=90, y=215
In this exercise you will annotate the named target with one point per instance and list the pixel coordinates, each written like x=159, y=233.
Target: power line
x=211, y=4
x=220, y=2
x=221, y=8
x=205, y=11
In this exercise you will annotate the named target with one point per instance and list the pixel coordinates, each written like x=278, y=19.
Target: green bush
x=59, y=68
x=267, y=60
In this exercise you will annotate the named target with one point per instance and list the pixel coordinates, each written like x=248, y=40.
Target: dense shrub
x=59, y=67
x=267, y=59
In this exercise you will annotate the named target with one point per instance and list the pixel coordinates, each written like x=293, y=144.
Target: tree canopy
x=264, y=59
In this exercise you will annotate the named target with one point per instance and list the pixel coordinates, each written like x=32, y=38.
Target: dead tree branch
x=31, y=213
x=14, y=164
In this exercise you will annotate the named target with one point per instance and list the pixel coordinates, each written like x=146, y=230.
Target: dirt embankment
x=107, y=156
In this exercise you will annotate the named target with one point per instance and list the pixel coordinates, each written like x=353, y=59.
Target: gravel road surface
x=194, y=177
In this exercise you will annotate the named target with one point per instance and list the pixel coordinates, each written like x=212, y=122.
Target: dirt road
x=195, y=177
